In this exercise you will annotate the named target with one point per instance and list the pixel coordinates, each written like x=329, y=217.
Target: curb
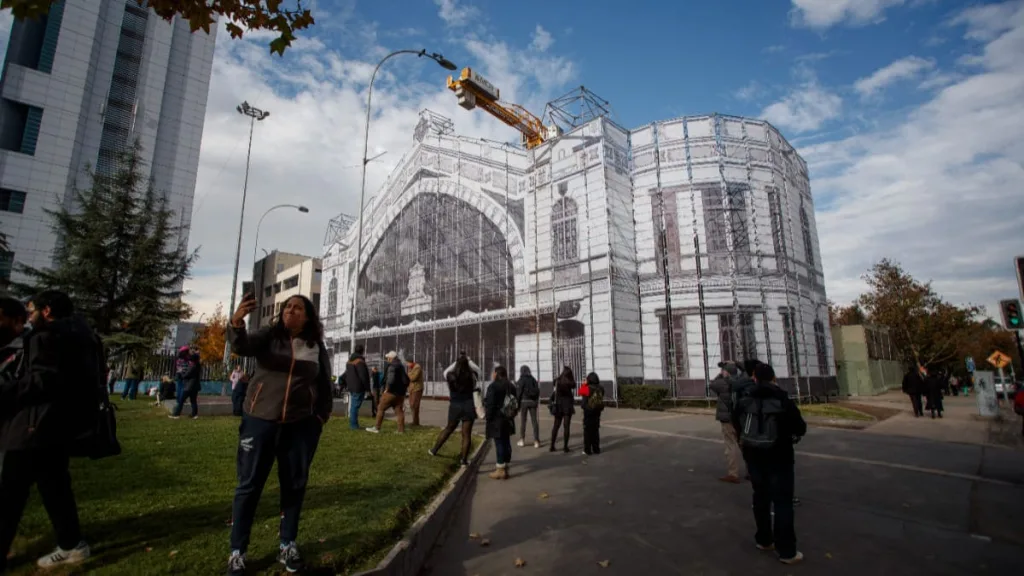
x=408, y=556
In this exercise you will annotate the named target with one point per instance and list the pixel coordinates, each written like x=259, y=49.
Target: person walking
x=462, y=377
x=768, y=423
x=501, y=422
x=132, y=376
x=376, y=380
x=415, y=390
x=111, y=378
x=238, y=395
x=562, y=408
x=357, y=381
x=728, y=381
x=191, y=383
x=47, y=408
x=913, y=386
x=529, y=398
x=286, y=408
x=592, y=403
x=934, y=385
x=396, y=386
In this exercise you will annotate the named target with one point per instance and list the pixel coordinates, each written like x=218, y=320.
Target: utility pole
x=254, y=114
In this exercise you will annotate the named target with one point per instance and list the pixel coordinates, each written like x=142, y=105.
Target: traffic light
x=1012, y=318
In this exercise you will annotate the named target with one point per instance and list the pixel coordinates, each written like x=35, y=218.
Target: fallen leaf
x=485, y=542
x=690, y=470
x=543, y=496
x=473, y=536
x=148, y=549
x=603, y=563
x=828, y=555
x=520, y=562
x=173, y=552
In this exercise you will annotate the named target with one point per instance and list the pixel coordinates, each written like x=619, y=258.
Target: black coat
x=192, y=379
x=55, y=396
x=564, y=401
x=357, y=375
x=498, y=426
x=396, y=379
x=527, y=386
x=913, y=383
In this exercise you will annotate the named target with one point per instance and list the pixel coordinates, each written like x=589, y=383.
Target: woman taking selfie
x=286, y=405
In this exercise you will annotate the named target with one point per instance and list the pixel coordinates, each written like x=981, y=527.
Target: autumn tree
x=924, y=328
x=281, y=17
x=986, y=337
x=210, y=337
x=851, y=315
x=119, y=258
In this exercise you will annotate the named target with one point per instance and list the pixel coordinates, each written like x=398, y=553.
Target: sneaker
x=195, y=417
x=289, y=556
x=767, y=548
x=173, y=417
x=536, y=444
x=236, y=563
x=464, y=463
x=794, y=560
x=520, y=443
x=60, y=556
x=373, y=429
x=431, y=452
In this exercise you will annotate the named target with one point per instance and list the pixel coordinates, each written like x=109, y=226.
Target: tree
x=985, y=338
x=210, y=337
x=925, y=329
x=241, y=16
x=851, y=315
x=119, y=258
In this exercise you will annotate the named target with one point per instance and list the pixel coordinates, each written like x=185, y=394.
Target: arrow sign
x=998, y=359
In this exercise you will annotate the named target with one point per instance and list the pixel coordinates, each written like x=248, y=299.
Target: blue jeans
x=131, y=389
x=190, y=395
x=503, y=449
x=355, y=402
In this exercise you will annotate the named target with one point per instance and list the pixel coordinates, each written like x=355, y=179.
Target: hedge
x=642, y=397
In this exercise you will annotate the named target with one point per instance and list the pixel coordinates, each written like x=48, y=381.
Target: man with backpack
x=529, y=400
x=768, y=424
x=501, y=407
x=730, y=383
x=592, y=403
x=396, y=385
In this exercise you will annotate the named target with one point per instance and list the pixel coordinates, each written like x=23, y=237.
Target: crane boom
x=474, y=90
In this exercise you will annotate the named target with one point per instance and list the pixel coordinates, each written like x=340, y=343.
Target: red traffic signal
x=1012, y=319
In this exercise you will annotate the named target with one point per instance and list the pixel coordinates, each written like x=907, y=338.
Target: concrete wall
x=858, y=374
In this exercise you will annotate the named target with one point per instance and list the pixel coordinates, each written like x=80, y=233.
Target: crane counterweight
x=473, y=91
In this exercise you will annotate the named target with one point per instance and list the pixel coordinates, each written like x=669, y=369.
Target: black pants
x=564, y=422
x=915, y=400
x=592, y=433
x=192, y=394
x=773, y=488
x=238, y=398
x=49, y=472
x=260, y=443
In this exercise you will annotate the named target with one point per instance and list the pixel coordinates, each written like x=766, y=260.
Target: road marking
x=894, y=465
x=650, y=419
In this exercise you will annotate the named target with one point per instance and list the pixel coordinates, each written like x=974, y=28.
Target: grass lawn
x=833, y=411
x=162, y=507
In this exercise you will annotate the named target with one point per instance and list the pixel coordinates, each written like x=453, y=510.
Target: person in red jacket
x=592, y=403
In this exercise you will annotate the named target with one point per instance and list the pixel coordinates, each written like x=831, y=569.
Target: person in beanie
x=357, y=380
x=500, y=427
x=529, y=399
x=592, y=402
x=396, y=385
x=563, y=407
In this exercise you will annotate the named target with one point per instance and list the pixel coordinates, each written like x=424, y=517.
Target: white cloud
x=308, y=151
x=455, y=14
x=804, y=108
x=773, y=49
x=823, y=14
x=542, y=39
x=938, y=191
x=750, y=91
x=902, y=69
x=986, y=22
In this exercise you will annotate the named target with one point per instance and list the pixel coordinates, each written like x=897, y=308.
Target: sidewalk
x=960, y=421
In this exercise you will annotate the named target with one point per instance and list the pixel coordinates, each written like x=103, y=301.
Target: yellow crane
x=474, y=90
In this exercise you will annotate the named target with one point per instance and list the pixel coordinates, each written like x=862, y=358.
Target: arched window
x=805, y=226
x=332, y=297
x=821, y=347
x=564, y=245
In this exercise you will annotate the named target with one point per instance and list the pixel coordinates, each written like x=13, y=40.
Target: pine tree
x=119, y=258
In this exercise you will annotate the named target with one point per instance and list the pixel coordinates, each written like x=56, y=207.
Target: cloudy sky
x=910, y=114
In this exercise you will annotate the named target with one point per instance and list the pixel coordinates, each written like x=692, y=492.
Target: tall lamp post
x=254, y=114
x=256, y=244
x=447, y=65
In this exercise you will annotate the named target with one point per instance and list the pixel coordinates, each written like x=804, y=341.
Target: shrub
x=643, y=397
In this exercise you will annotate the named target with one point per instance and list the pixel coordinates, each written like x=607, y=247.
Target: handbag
x=104, y=438
x=553, y=404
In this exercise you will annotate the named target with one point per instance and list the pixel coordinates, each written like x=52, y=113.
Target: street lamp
x=254, y=114
x=256, y=244
x=447, y=65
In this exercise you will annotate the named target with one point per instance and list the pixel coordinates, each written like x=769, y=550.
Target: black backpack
x=759, y=422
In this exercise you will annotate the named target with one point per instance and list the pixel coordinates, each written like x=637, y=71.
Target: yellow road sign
x=999, y=360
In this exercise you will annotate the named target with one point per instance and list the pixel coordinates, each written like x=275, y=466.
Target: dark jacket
x=563, y=395
x=292, y=379
x=724, y=388
x=461, y=383
x=593, y=387
x=54, y=398
x=527, y=387
x=791, y=425
x=498, y=426
x=192, y=378
x=396, y=379
x=357, y=375
x=913, y=383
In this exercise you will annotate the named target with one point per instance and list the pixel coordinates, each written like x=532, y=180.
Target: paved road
x=651, y=504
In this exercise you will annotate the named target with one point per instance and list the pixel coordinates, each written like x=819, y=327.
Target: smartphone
x=248, y=291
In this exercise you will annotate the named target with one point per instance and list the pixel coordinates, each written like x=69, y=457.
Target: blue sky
x=909, y=113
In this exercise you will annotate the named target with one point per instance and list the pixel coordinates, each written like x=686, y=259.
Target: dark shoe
x=597, y=450
x=566, y=450
x=289, y=556
x=552, y=448
x=796, y=502
x=236, y=564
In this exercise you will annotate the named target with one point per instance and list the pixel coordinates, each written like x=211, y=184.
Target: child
x=592, y=402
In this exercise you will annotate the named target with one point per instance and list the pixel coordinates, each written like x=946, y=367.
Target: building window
x=332, y=297
x=805, y=228
x=6, y=265
x=736, y=336
x=119, y=113
x=12, y=201
x=277, y=288
x=316, y=301
x=678, y=344
x=564, y=244
x=789, y=333
x=725, y=216
x=778, y=230
x=292, y=282
x=268, y=291
x=665, y=215
x=821, y=346
x=19, y=129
